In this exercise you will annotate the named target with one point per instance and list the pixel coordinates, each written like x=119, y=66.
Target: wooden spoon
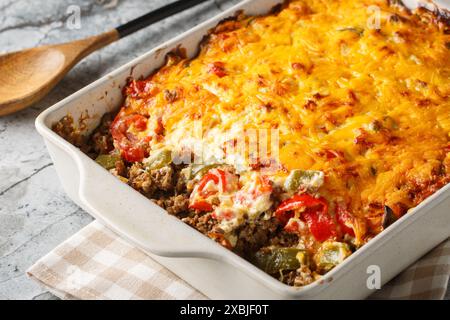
x=28, y=75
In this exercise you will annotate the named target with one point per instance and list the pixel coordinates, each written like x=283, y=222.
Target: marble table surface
x=35, y=213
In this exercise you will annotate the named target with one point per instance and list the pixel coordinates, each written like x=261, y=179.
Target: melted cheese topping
x=367, y=106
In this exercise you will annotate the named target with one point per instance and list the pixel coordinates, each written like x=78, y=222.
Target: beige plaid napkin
x=95, y=263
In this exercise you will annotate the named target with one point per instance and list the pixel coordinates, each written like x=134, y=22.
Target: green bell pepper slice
x=330, y=254
x=107, y=161
x=276, y=260
x=158, y=160
x=310, y=179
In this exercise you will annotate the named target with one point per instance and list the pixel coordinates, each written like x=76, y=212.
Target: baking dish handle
x=135, y=217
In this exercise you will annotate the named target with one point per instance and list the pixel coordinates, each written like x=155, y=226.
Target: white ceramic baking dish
x=213, y=270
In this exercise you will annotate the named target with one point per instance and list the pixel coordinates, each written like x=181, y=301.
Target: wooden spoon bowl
x=28, y=75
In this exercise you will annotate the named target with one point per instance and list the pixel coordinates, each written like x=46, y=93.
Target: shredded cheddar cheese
x=369, y=106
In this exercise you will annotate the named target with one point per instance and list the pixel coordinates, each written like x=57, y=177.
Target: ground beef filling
x=169, y=190
x=255, y=234
x=163, y=186
x=101, y=140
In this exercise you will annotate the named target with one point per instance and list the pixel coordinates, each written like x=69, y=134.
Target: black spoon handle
x=155, y=16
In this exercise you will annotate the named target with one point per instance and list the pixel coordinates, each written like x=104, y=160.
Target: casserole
x=131, y=221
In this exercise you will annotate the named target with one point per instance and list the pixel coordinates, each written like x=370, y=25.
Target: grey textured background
x=35, y=213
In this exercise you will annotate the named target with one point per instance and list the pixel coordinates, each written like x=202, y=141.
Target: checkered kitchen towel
x=97, y=264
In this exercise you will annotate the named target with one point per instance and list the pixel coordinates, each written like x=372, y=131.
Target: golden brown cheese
x=367, y=106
